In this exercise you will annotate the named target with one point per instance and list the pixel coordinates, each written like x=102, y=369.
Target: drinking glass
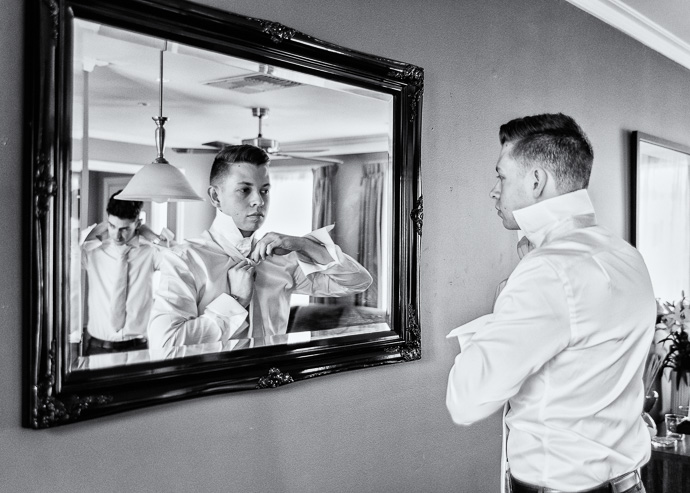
x=672, y=421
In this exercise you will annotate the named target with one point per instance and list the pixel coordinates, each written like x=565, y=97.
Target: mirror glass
x=663, y=214
x=330, y=165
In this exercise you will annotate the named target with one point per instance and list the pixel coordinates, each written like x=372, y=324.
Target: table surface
x=680, y=451
x=668, y=470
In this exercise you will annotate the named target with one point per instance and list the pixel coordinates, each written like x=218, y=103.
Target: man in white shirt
x=228, y=285
x=567, y=340
x=120, y=256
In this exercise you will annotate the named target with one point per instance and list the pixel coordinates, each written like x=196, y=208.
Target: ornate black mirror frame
x=54, y=396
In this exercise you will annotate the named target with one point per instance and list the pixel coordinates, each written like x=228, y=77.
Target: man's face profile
x=121, y=230
x=511, y=191
x=243, y=194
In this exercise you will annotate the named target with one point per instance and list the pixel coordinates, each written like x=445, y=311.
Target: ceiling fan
x=271, y=146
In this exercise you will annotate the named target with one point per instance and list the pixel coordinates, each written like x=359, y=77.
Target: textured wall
x=381, y=429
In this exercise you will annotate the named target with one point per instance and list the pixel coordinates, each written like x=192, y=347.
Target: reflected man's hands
x=165, y=238
x=98, y=231
x=280, y=244
x=275, y=244
x=241, y=278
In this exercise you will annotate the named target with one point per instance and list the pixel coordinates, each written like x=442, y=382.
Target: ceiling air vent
x=253, y=83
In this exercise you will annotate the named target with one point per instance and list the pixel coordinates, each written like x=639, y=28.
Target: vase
x=679, y=394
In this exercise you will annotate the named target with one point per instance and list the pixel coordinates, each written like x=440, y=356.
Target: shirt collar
x=132, y=243
x=540, y=219
x=224, y=231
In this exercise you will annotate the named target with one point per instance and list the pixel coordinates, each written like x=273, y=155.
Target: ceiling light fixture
x=159, y=181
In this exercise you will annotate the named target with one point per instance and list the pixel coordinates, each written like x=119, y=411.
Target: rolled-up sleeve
x=341, y=277
x=175, y=318
x=529, y=326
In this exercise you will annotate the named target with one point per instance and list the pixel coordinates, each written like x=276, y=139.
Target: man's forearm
x=314, y=252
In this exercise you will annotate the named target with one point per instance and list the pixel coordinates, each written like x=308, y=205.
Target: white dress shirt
x=565, y=346
x=101, y=259
x=193, y=304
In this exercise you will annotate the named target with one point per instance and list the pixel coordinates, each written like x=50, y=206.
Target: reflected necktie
x=257, y=326
x=118, y=312
x=244, y=246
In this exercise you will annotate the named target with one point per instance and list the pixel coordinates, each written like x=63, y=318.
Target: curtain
x=663, y=231
x=370, y=231
x=322, y=213
x=322, y=210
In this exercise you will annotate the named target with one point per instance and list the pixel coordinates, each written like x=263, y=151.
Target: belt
x=616, y=485
x=117, y=345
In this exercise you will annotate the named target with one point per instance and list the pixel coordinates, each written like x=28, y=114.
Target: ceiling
x=663, y=25
x=305, y=112
x=209, y=96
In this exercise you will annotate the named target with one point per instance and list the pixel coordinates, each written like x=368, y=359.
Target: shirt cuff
x=321, y=236
x=89, y=245
x=227, y=309
x=465, y=332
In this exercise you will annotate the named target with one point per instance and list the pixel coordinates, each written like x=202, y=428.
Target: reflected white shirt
x=101, y=259
x=193, y=305
x=566, y=346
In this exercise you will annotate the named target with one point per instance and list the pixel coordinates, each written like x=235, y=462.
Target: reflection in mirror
x=663, y=214
x=330, y=150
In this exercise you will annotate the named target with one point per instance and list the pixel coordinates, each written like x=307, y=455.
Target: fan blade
x=317, y=159
x=217, y=144
x=213, y=147
x=301, y=151
x=197, y=150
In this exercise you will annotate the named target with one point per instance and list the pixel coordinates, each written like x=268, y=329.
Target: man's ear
x=213, y=195
x=539, y=178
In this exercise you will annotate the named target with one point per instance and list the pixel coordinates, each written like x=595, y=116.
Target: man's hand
x=275, y=244
x=241, y=278
x=280, y=244
x=146, y=232
x=98, y=231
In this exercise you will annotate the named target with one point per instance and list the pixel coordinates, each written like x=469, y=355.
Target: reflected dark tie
x=257, y=325
x=118, y=314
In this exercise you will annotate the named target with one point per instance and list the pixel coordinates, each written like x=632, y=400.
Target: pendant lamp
x=159, y=181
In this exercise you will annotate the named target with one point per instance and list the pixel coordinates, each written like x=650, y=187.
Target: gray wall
x=381, y=429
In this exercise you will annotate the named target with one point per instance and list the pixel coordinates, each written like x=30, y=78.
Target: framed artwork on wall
x=661, y=218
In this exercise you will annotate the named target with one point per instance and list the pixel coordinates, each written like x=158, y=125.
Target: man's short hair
x=124, y=209
x=236, y=154
x=554, y=141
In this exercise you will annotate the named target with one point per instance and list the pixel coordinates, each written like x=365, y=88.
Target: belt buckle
x=625, y=482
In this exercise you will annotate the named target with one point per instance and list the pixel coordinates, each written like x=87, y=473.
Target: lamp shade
x=159, y=182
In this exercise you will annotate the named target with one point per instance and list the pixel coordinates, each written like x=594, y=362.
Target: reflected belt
x=118, y=345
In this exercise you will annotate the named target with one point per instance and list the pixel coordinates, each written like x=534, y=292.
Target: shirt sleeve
x=530, y=325
x=87, y=241
x=175, y=318
x=341, y=277
x=160, y=246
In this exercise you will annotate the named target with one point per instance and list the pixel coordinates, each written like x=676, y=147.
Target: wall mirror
x=662, y=213
x=344, y=130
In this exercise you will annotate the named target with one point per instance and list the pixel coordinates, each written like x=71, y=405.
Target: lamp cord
x=160, y=83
